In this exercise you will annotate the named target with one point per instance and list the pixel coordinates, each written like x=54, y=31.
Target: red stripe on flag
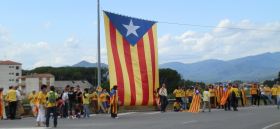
x=152, y=47
x=128, y=61
x=143, y=71
x=117, y=63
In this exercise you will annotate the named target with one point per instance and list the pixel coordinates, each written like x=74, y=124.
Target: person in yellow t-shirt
x=178, y=94
x=278, y=95
x=52, y=97
x=190, y=92
x=274, y=94
x=94, y=101
x=32, y=101
x=267, y=93
x=212, y=93
x=234, y=93
x=86, y=99
x=2, y=107
x=104, y=100
x=11, y=97
x=42, y=101
x=184, y=98
x=114, y=101
x=253, y=93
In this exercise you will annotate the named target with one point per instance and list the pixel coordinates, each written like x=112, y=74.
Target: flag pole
x=98, y=46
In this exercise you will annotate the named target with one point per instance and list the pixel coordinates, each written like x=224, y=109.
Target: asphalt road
x=263, y=117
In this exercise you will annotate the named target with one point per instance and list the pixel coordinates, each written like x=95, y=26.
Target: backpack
x=52, y=97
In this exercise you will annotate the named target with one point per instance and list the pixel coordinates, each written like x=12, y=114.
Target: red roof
x=8, y=62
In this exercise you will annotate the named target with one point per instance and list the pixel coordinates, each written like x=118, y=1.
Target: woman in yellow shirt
x=274, y=94
x=42, y=101
x=86, y=102
x=2, y=107
x=94, y=101
x=278, y=96
x=32, y=101
x=103, y=98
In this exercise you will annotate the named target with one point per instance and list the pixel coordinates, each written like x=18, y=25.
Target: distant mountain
x=251, y=68
x=88, y=64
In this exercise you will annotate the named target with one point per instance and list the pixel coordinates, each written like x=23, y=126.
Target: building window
x=17, y=80
x=17, y=67
x=17, y=74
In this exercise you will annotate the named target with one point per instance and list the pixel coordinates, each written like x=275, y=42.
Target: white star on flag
x=131, y=29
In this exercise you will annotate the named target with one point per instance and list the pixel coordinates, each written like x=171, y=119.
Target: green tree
x=171, y=78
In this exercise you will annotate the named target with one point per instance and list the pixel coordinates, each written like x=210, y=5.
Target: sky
x=64, y=32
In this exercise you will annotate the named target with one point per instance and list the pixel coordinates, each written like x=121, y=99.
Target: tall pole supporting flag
x=98, y=46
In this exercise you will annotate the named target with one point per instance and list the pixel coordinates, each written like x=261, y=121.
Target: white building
x=10, y=72
x=32, y=82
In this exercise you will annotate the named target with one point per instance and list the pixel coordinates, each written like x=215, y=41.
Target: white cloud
x=187, y=47
x=221, y=43
x=47, y=25
x=72, y=42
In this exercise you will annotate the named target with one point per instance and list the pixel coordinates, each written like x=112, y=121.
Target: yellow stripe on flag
x=149, y=66
x=156, y=56
x=137, y=75
x=121, y=50
x=112, y=71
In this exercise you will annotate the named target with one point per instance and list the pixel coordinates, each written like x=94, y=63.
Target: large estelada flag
x=132, y=57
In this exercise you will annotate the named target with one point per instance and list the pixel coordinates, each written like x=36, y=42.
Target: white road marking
x=152, y=113
x=188, y=122
x=128, y=113
x=271, y=125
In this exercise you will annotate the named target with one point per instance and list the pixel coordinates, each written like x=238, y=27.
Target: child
x=177, y=106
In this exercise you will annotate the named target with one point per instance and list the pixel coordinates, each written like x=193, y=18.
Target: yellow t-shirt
x=32, y=98
x=42, y=98
x=103, y=97
x=267, y=90
x=274, y=91
x=212, y=92
x=178, y=93
x=49, y=104
x=253, y=91
x=86, y=98
x=11, y=95
x=278, y=90
x=236, y=91
x=183, y=94
x=94, y=96
x=190, y=93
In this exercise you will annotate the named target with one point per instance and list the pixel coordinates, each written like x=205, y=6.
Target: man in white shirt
x=206, y=98
x=65, y=99
x=163, y=97
x=20, y=109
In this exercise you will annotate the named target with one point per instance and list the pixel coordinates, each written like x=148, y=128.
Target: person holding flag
x=114, y=101
x=2, y=107
x=195, y=105
x=33, y=102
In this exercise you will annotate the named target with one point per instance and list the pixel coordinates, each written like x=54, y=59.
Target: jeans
x=86, y=110
x=52, y=110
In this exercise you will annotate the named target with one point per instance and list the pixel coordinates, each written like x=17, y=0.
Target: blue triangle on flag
x=132, y=29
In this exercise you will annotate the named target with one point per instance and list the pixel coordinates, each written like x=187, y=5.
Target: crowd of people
x=74, y=103
x=71, y=103
x=227, y=97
